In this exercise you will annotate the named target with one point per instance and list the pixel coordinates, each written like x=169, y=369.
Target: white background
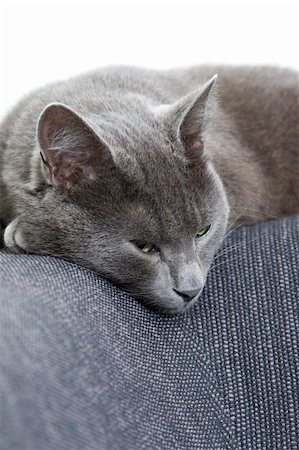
x=42, y=41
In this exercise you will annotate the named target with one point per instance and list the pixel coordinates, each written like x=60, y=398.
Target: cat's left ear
x=188, y=116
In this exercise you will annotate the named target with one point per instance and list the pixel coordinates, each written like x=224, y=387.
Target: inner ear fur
x=188, y=117
x=70, y=149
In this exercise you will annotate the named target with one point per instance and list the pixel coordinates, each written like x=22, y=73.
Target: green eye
x=203, y=231
x=146, y=247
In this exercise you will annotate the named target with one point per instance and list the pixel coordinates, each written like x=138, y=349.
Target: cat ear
x=189, y=115
x=70, y=150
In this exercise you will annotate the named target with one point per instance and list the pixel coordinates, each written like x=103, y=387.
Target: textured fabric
x=84, y=366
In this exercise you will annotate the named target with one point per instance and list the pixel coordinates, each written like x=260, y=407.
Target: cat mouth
x=168, y=305
x=169, y=310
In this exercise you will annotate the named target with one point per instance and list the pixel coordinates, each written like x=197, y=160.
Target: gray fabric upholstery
x=84, y=366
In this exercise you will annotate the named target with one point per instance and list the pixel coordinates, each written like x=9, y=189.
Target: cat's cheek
x=14, y=237
x=143, y=259
x=153, y=261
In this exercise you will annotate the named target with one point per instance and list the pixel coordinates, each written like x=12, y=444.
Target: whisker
x=259, y=214
x=214, y=266
x=232, y=247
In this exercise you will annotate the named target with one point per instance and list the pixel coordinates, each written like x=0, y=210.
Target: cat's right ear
x=70, y=150
x=188, y=117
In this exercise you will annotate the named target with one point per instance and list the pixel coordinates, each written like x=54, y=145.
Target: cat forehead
x=162, y=205
x=157, y=221
x=139, y=143
x=129, y=127
x=176, y=192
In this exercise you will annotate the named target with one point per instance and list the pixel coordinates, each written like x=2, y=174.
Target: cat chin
x=165, y=310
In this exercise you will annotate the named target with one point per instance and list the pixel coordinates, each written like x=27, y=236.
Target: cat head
x=130, y=194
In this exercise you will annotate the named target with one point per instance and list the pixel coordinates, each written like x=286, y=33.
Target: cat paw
x=13, y=237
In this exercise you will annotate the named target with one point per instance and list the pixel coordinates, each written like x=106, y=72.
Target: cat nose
x=188, y=295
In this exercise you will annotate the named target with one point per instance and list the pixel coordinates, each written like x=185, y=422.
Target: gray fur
x=139, y=155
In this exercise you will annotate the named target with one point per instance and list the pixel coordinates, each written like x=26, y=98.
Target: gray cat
x=139, y=174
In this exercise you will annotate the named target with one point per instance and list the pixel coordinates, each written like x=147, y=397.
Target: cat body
x=139, y=174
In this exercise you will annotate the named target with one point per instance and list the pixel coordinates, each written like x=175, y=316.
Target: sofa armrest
x=85, y=366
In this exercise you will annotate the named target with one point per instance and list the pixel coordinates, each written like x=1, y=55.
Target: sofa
x=85, y=366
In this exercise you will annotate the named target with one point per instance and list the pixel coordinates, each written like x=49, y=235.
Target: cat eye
x=146, y=247
x=203, y=231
